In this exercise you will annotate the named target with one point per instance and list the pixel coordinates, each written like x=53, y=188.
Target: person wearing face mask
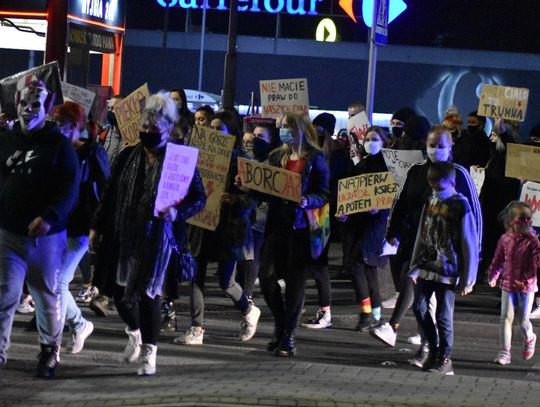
x=472, y=148
x=413, y=136
x=399, y=117
x=136, y=246
x=112, y=141
x=404, y=220
x=180, y=99
x=39, y=182
x=286, y=250
x=366, y=231
x=95, y=171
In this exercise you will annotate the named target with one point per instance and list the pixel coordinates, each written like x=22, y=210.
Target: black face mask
x=150, y=140
x=261, y=149
x=473, y=129
x=397, y=132
x=111, y=118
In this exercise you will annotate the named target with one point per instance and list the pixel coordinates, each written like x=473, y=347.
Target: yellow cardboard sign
x=523, y=162
x=503, y=101
x=128, y=114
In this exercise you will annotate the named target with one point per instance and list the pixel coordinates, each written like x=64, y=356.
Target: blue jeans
x=39, y=260
x=76, y=248
x=441, y=331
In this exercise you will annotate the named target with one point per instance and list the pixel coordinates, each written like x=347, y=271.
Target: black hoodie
x=39, y=176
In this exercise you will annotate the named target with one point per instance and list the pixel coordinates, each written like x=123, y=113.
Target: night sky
x=501, y=25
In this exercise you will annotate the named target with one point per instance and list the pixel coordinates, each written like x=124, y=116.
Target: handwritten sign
x=530, y=193
x=215, y=149
x=364, y=192
x=503, y=101
x=398, y=162
x=128, y=114
x=280, y=96
x=176, y=175
x=270, y=180
x=79, y=95
x=356, y=129
x=523, y=162
x=478, y=175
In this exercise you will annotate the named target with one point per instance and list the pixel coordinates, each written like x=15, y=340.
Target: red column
x=56, y=40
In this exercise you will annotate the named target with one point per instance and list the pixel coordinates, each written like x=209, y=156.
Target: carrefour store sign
x=298, y=7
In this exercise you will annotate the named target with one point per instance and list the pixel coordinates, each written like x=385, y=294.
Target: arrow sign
x=396, y=7
x=326, y=31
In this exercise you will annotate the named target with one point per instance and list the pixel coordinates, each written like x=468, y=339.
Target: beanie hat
x=416, y=128
x=403, y=114
x=327, y=121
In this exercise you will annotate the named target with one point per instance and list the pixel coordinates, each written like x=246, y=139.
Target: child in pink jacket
x=515, y=263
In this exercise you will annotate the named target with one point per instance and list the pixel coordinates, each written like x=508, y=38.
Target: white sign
x=281, y=96
x=356, y=129
x=176, y=175
x=530, y=193
x=398, y=162
x=82, y=96
x=478, y=175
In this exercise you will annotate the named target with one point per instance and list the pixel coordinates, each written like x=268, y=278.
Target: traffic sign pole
x=372, y=69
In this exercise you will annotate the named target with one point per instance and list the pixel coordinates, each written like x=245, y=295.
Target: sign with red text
x=280, y=96
x=530, y=193
x=365, y=192
x=398, y=162
x=503, y=101
x=270, y=180
x=356, y=129
x=522, y=162
x=128, y=114
x=215, y=149
x=178, y=169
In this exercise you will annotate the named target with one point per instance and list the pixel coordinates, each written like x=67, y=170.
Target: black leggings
x=365, y=280
x=406, y=295
x=144, y=314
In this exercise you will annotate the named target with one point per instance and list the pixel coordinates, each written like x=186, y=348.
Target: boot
x=48, y=361
x=133, y=348
x=147, y=360
x=287, y=345
x=365, y=322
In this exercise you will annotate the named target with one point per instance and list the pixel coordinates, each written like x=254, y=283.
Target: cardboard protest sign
x=11, y=86
x=79, y=95
x=178, y=169
x=522, y=162
x=128, y=114
x=215, y=149
x=270, y=180
x=503, y=101
x=478, y=175
x=364, y=192
x=250, y=122
x=356, y=129
x=398, y=162
x=530, y=193
x=280, y=96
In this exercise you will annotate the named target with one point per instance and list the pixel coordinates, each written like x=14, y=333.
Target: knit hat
x=327, y=121
x=416, y=128
x=403, y=114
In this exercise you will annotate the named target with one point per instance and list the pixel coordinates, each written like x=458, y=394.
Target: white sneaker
x=147, y=360
x=76, y=344
x=249, y=324
x=322, y=319
x=133, y=348
x=191, y=337
x=385, y=334
x=390, y=303
x=535, y=313
x=415, y=340
x=26, y=306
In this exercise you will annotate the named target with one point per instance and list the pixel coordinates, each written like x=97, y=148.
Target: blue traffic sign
x=395, y=8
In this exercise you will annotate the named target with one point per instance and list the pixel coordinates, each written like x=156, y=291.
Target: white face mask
x=372, y=147
x=438, y=154
x=31, y=109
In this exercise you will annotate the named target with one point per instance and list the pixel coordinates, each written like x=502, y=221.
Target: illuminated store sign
x=106, y=14
x=295, y=7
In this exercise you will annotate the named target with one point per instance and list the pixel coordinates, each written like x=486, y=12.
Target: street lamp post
x=229, y=80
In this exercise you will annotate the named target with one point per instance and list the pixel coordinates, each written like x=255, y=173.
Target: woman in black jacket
x=286, y=252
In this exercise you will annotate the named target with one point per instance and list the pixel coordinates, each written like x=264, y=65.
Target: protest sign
x=250, y=122
x=398, y=162
x=11, y=86
x=478, y=175
x=79, y=95
x=280, y=96
x=530, y=193
x=523, y=162
x=503, y=101
x=176, y=175
x=364, y=192
x=356, y=129
x=215, y=149
x=99, y=107
x=270, y=180
x=128, y=114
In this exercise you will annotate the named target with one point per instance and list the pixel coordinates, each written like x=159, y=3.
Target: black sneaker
x=443, y=366
x=168, y=314
x=48, y=361
x=99, y=305
x=431, y=361
x=365, y=322
x=287, y=346
x=421, y=357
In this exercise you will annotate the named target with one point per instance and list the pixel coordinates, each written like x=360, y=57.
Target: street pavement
x=334, y=367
